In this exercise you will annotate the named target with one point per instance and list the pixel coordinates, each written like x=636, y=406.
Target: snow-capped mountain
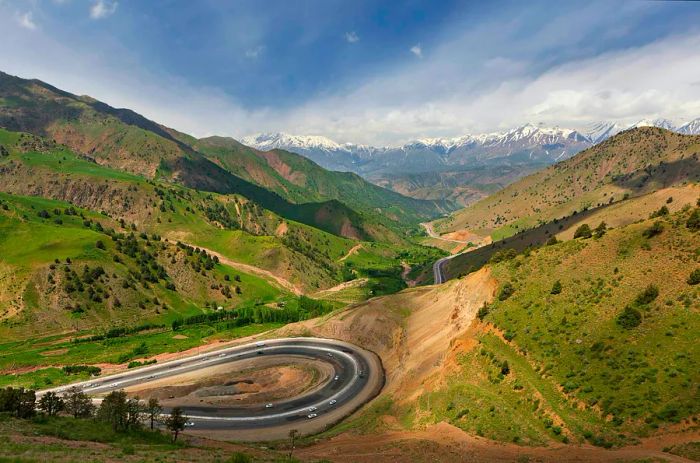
x=691, y=128
x=526, y=144
x=323, y=151
x=661, y=123
x=270, y=141
x=600, y=131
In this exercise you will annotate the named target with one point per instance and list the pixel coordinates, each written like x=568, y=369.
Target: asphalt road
x=358, y=377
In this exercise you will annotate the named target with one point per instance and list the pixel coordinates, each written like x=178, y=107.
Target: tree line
x=121, y=412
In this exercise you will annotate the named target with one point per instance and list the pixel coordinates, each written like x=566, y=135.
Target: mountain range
x=522, y=145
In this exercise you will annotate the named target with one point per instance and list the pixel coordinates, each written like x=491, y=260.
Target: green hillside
x=632, y=163
x=585, y=342
x=301, y=180
x=124, y=140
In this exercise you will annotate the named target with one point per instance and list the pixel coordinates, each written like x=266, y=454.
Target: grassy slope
x=301, y=180
x=38, y=291
x=635, y=162
x=223, y=223
x=127, y=141
x=575, y=374
x=66, y=440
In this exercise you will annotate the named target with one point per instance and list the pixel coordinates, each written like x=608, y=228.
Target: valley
x=533, y=324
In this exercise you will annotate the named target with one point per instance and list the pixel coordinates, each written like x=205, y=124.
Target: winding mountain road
x=438, y=274
x=358, y=377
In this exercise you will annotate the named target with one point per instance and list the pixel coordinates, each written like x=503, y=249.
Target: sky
x=372, y=72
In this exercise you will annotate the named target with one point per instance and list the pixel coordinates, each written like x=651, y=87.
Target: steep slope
x=502, y=354
x=124, y=140
x=300, y=180
x=232, y=225
x=634, y=162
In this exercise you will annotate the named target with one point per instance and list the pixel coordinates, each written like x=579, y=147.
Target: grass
x=642, y=378
x=61, y=351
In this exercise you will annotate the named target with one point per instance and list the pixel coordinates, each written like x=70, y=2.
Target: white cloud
x=254, y=52
x=25, y=20
x=417, y=50
x=352, y=37
x=103, y=9
x=454, y=89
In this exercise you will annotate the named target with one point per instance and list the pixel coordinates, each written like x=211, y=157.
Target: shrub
x=647, y=296
x=503, y=255
x=505, y=368
x=506, y=291
x=694, y=277
x=660, y=213
x=556, y=288
x=693, y=222
x=552, y=241
x=584, y=231
x=629, y=318
x=654, y=230
x=600, y=229
x=99, y=244
x=483, y=311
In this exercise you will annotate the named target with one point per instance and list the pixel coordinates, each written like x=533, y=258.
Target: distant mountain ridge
x=525, y=144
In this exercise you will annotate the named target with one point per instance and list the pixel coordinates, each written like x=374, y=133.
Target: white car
x=189, y=424
x=312, y=409
x=269, y=406
x=259, y=344
x=329, y=354
x=336, y=378
x=332, y=402
x=311, y=415
x=222, y=355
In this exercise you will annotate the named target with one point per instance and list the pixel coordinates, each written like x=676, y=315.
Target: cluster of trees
x=585, y=232
x=121, y=412
x=201, y=261
x=306, y=308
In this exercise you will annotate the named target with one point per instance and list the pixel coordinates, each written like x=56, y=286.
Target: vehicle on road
x=189, y=424
x=259, y=352
x=259, y=344
x=312, y=409
x=269, y=406
x=311, y=415
x=336, y=378
x=332, y=402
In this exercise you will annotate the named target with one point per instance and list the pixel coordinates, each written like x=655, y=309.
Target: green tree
x=176, y=422
x=629, y=318
x=78, y=404
x=153, y=411
x=113, y=410
x=51, y=404
x=654, y=230
x=584, y=231
x=556, y=287
x=20, y=402
x=600, y=230
x=693, y=222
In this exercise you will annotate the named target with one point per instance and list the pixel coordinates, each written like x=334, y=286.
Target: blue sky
x=364, y=71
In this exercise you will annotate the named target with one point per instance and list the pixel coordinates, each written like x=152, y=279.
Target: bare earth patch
x=249, y=382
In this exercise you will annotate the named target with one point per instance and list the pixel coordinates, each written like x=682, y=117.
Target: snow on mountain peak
x=268, y=141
